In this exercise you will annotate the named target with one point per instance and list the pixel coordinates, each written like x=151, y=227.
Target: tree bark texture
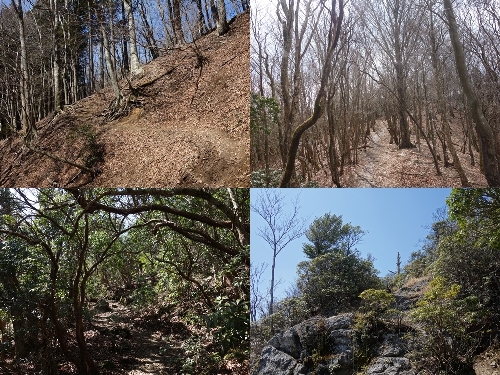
x=135, y=65
x=483, y=129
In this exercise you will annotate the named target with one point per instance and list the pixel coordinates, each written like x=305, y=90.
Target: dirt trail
x=384, y=165
x=377, y=157
x=193, y=154
x=138, y=346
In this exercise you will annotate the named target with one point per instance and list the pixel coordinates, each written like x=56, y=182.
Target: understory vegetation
x=443, y=305
x=116, y=280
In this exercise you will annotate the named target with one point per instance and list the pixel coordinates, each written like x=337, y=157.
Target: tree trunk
x=28, y=121
x=177, y=22
x=332, y=40
x=441, y=106
x=202, y=26
x=149, y=33
x=220, y=17
x=135, y=65
x=403, y=121
x=483, y=129
x=109, y=62
x=56, y=75
x=91, y=76
x=126, y=65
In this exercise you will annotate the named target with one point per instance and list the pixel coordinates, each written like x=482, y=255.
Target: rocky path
x=137, y=346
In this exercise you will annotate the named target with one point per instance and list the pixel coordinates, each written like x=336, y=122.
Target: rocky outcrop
x=318, y=344
x=324, y=346
x=390, y=366
x=273, y=362
x=409, y=294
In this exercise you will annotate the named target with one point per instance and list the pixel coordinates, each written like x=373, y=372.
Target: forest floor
x=124, y=340
x=382, y=164
x=189, y=125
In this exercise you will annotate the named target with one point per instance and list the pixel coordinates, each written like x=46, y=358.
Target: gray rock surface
x=323, y=346
x=391, y=346
x=390, y=366
x=275, y=362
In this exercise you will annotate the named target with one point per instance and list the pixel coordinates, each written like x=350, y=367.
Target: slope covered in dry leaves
x=189, y=126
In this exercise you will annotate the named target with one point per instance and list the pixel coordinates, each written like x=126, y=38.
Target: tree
x=280, y=229
x=328, y=234
x=289, y=29
x=177, y=22
x=438, y=78
x=135, y=65
x=263, y=118
x=28, y=120
x=392, y=26
x=256, y=297
x=490, y=148
x=331, y=283
x=219, y=14
x=477, y=211
x=110, y=63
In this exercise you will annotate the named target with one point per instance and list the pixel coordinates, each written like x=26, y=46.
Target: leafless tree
x=280, y=229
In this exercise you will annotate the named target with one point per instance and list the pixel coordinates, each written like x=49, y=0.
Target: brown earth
x=382, y=164
x=488, y=362
x=188, y=126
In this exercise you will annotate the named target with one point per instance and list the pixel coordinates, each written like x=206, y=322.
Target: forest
x=375, y=93
x=87, y=85
x=436, y=314
x=55, y=53
x=117, y=281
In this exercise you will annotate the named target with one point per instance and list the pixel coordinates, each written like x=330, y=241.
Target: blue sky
x=396, y=220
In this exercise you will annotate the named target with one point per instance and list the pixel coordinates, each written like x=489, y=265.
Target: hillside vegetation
x=187, y=124
x=438, y=315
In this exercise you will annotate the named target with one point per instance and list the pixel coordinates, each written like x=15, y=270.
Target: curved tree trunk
x=333, y=37
x=483, y=129
x=442, y=107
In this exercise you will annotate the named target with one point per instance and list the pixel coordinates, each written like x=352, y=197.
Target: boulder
x=324, y=334
x=275, y=362
x=323, y=346
x=293, y=350
x=390, y=366
x=391, y=346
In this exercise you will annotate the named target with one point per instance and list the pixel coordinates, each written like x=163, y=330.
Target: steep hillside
x=188, y=125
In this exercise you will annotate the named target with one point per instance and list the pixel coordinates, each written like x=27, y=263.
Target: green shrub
x=448, y=345
x=232, y=322
x=332, y=282
x=370, y=324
